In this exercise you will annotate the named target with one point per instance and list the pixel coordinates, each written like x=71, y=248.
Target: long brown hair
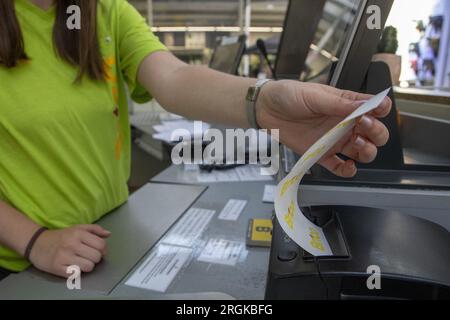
x=78, y=47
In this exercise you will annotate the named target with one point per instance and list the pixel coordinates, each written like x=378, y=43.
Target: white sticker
x=252, y=173
x=232, y=210
x=301, y=230
x=160, y=268
x=189, y=228
x=269, y=194
x=221, y=251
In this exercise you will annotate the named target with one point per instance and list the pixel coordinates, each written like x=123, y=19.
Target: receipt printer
x=378, y=254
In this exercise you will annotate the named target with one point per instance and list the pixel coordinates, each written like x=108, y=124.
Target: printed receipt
x=302, y=231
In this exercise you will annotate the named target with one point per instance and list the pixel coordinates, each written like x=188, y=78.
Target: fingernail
x=359, y=142
x=383, y=106
x=350, y=164
x=366, y=122
x=351, y=167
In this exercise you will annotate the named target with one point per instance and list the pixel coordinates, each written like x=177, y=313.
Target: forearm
x=196, y=92
x=16, y=229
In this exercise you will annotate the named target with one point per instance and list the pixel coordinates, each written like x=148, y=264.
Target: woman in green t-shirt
x=64, y=127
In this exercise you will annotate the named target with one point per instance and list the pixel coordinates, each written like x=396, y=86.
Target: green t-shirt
x=65, y=147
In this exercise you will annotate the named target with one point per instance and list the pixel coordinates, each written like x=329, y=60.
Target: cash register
x=411, y=255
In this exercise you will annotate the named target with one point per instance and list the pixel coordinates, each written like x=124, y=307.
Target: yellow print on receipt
x=289, y=183
x=316, y=242
x=289, y=217
x=314, y=153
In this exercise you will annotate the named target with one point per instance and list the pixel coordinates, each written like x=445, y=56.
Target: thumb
x=334, y=102
x=338, y=106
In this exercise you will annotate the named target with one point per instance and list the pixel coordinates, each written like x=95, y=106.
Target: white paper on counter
x=252, y=173
x=217, y=176
x=269, y=193
x=170, y=126
x=221, y=251
x=302, y=231
x=189, y=228
x=232, y=209
x=160, y=268
x=165, y=130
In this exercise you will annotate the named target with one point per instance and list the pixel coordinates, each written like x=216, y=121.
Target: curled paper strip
x=301, y=230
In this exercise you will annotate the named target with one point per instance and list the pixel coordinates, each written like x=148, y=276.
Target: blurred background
x=190, y=28
x=224, y=34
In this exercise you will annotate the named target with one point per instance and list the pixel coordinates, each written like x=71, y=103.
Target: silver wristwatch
x=251, y=98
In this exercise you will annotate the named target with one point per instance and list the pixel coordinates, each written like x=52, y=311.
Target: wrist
x=267, y=98
x=27, y=233
x=32, y=243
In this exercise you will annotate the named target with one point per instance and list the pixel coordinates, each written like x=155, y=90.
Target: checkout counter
x=141, y=226
x=137, y=228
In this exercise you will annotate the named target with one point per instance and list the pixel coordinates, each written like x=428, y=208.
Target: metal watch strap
x=252, y=97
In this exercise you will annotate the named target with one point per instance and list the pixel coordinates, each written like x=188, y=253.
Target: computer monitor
x=300, y=24
x=356, y=56
x=228, y=54
x=314, y=36
x=337, y=28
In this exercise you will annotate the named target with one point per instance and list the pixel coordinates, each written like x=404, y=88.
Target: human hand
x=304, y=112
x=82, y=245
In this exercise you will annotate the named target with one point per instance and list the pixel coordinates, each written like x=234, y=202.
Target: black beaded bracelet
x=33, y=241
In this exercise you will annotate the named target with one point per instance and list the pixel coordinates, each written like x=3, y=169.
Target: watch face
x=251, y=94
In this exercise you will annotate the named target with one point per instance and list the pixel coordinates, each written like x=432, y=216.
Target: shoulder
x=114, y=11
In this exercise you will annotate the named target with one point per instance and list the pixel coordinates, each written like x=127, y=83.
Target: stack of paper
x=167, y=130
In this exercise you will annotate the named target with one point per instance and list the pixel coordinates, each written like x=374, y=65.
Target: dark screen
x=226, y=57
x=331, y=35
